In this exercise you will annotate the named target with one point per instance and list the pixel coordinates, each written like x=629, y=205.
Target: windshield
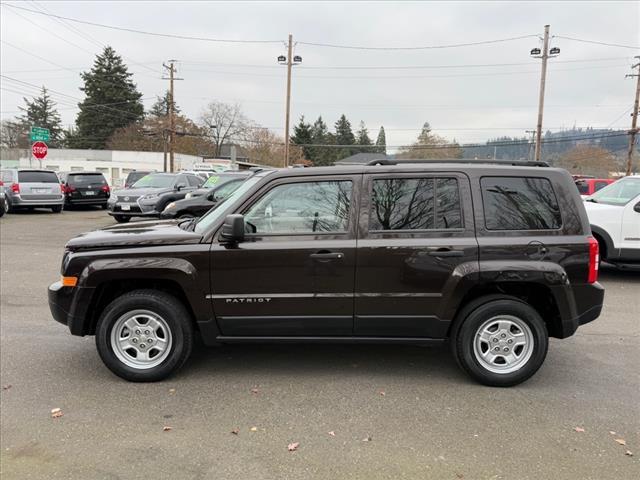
x=215, y=180
x=214, y=214
x=618, y=193
x=155, y=180
x=86, y=179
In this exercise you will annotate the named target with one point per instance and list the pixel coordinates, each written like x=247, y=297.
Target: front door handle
x=324, y=256
x=446, y=252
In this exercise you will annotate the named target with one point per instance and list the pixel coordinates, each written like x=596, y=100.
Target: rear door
x=39, y=185
x=416, y=231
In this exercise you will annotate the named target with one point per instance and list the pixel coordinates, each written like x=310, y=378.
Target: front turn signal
x=69, y=281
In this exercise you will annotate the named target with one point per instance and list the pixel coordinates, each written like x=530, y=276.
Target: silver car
x=32, y=188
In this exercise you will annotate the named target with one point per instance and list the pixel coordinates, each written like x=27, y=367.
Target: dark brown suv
x=495, y=258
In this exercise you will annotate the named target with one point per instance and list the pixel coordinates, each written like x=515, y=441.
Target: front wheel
x=121, y=218
x=500, y=342
x=144, y=336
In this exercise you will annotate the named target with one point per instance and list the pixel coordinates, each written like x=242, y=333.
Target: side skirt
x=389, y=340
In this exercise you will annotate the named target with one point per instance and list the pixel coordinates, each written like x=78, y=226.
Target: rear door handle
x=325, y=256
x=446, y=252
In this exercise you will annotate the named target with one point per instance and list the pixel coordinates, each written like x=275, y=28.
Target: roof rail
x=515, y=163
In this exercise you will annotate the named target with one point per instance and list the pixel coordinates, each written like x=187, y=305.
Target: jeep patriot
x=494, y=257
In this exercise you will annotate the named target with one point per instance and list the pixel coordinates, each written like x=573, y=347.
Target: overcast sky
x=586, y=84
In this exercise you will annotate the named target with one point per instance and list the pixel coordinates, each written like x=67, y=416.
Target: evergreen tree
x=320, y=136
x=362, y=138
x=112, y=101
x=381, y=141
x=302, y=136
x=41, y=112
x=161, y=107
x=344, y=136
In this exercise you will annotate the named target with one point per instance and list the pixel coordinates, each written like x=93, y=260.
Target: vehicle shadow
x=610, y=272
x=324, y=359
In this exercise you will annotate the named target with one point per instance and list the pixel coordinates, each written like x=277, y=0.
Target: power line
x=142, y=32
x=424, y=47
x=595, y=42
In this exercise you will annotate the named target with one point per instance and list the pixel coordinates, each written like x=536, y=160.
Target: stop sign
x=39, y=150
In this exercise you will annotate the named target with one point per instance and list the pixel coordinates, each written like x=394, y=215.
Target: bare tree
x=13, y=134
x=264, y=147
x=226, y=124
x=589, y=160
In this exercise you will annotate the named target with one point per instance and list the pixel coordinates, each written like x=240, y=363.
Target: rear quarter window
x=37, y=177
x=519, y=203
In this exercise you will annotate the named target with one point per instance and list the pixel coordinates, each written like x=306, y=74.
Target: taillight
x=67, y=188
x=594, y=260
x=15, y=187
x=106, y=189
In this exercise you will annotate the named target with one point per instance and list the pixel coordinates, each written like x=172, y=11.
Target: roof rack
x=515, y=163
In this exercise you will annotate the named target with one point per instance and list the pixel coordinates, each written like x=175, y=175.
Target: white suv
x=614, y=214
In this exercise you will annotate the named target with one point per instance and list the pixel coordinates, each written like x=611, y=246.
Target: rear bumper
x=588, y=302
x=69, y=305
x=86, y=201
x=17, y=201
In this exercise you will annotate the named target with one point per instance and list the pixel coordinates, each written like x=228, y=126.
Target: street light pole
x=545, y=54
x=288, y=113
x=634, y=120
x=289, y=61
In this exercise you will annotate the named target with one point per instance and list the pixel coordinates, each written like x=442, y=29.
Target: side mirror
x=636, y=207
x=180, y=186
x=232, y=230
x=210, y=197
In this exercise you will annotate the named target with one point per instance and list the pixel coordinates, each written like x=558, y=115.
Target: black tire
x=162, y=304
x=184, y=216
x=104, y=206
x=121, y=218
x=481, y=310
x=56, y=209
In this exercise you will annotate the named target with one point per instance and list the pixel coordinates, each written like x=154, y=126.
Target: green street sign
x=39, y=134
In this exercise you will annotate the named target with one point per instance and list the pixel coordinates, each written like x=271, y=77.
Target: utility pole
x=634, y=119
x=289, y=61
x=172, y=112
x=544, y=55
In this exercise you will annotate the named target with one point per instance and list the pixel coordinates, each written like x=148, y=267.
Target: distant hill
x=513, y=148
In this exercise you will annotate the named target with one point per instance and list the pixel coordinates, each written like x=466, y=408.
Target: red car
x=589, y=186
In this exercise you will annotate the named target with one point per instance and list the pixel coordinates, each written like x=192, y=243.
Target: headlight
x=188, y=195
x=170, y=206
x=151, y=196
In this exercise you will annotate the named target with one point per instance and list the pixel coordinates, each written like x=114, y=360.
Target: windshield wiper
x=188, y=223
x=592, y=200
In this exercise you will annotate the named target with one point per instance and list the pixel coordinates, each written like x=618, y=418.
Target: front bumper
x=69, y=306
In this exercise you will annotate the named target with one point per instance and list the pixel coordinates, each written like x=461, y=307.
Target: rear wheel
x=500, y=342
x=56, y=209
x=121, y=218
x=104, y=206
x=144, y=336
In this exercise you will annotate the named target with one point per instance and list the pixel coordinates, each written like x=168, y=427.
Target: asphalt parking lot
x=393, y=411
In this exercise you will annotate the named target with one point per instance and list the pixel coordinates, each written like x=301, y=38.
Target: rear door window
x=415, y=204
x=518, y=203
x=583, y=188
x=34, y=176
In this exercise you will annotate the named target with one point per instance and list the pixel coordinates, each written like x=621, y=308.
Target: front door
x=416, y=232
x=294, y=273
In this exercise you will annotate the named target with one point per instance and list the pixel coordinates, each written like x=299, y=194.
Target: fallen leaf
x=235, y=431
x=56, y=413
x=579, y=429
x=6, y=387
x=367, y=439
x=332, y=433
x=612, y=433
x=292, y=447
x=254, y=429
x=459, y=475
x=382, y=394
x=629, y=453
x=172, y=391
x=166, y=429
x=255, y=390
x=621, y=441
